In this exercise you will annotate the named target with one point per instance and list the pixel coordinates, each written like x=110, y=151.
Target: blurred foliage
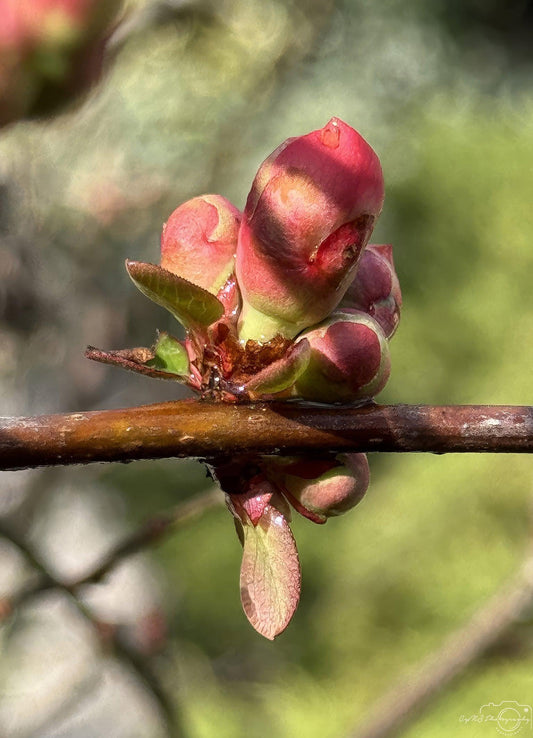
x=443, y=92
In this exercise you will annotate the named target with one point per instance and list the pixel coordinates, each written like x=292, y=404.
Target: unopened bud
x=50, y=52
x=375, y=288
x=309, y=214
x=199, y=241
x=349, y=361
x=322, y=489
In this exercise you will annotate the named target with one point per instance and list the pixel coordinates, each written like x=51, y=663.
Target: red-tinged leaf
x=190, y=304
x=270, y=573
x=252, y=507
x=311, y=515
x=281, y=374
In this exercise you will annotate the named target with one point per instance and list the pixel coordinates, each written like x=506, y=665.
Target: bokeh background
x=195, y=99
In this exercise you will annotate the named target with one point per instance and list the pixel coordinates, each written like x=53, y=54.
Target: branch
x=208, y=429
x=108, y=635
x=150, y=533
x=487, y=627
x=152, y=15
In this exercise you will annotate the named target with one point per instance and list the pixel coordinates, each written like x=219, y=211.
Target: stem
x=404, y=703
x=209, y=430
x=257, y=326
x=153, y=531
x=108, y=635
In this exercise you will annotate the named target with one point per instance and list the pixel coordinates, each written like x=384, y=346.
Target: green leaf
x=139, y=360
x=281, y=374
x=170, y=355
x=270, y=573
x=193, y=306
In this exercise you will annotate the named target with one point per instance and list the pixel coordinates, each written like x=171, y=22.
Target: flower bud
x=199, y=240
x=349, y=361
x=375, y=288
x=322, y=489
x=50, y=52
x=308, y=216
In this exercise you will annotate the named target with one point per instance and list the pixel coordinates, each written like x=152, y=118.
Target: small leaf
x=270, y=573
x=170, y=355
x=281, y=374
x=190, y=304
x=135, y=360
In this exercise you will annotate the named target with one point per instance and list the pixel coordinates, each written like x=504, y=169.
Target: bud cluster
x=282, y=301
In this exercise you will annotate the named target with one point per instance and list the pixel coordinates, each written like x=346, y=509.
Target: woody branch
x=192, y=428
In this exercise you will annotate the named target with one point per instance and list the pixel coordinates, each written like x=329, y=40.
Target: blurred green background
x=192, y=104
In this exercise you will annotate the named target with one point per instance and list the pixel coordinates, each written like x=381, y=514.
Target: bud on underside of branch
x=321, y=488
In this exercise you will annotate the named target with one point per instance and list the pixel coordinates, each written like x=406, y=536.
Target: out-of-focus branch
x=152, y=15
x=149, y=533
x=404, y=703
x=209, y=430
x=109, y=636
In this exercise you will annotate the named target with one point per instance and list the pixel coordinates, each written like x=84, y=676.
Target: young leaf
x=281, y=374
x=137, y=360
x=170, y=356
x=270, y=573
x=190, y=304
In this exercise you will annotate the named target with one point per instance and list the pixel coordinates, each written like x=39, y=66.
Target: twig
x=207, y=429
x=106, y=634
x=404, y=703
x=81, y=693
x=112, y=640
x=151, y=532
x=152, y=15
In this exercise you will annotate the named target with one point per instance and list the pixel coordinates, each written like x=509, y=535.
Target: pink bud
x=310, y=212
x=27, y=23
x=349, y=361
x=375, y=288
x=324, y=488
x=199, y=241
x=68, y=35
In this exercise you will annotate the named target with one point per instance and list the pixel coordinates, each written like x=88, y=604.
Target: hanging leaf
x=270, y=573
x=193, y=306
x=281, y=374
x=170, y=355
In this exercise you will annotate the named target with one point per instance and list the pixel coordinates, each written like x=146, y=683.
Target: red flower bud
x=375, y=288
x=50, y=52
x=199, y=240
x=309, y=214
x=320, y=490
x=349, y=361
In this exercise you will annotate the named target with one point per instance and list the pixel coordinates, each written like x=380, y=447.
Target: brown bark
x=212, y=430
